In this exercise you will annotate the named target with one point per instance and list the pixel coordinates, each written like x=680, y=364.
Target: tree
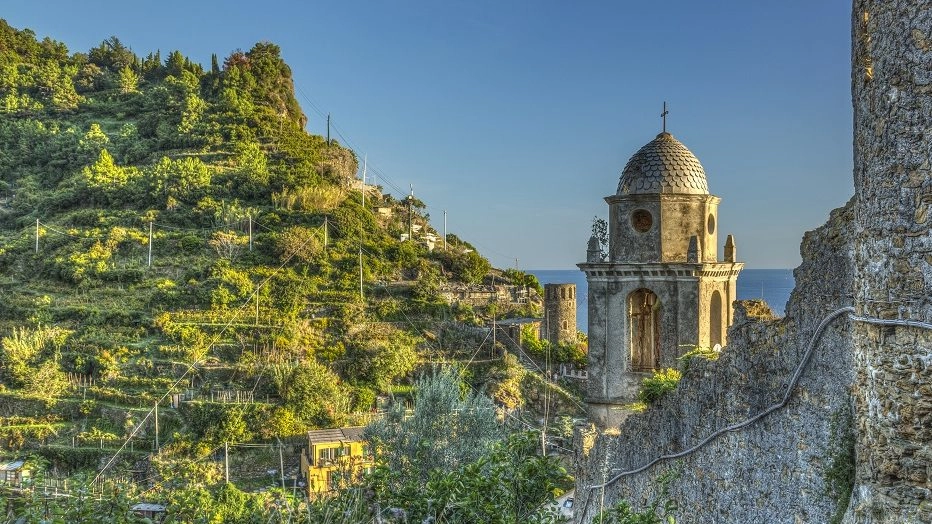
x=228, y=244
x=447, y=429
x=178, y=180
x=310, y=391
x=600, y=232
x=380, y=360
x=25, y=351
x=129, y=80
x=300, y=244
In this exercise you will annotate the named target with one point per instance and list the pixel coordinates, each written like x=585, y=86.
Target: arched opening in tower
x=715, y=318
x=644, y=319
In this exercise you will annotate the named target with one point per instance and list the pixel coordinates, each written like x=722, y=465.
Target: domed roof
x=663, y=165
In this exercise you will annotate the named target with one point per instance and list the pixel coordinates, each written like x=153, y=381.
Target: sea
x=772, y=285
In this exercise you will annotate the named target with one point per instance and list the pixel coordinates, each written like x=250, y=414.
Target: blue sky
x=516, y=117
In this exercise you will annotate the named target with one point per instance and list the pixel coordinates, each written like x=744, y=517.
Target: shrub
x=697, y=352
x=656, y=386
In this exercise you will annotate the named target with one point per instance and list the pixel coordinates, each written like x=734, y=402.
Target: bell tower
x=662, y=289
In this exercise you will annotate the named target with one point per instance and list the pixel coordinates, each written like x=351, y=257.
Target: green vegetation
x=697, y=352
x=171, y=234
x=661, y=510
x=839, y=475
x=659, y=384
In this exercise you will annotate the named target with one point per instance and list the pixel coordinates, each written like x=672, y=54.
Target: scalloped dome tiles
x=663, y=165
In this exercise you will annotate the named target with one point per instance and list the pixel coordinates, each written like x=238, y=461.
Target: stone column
x=892, y=95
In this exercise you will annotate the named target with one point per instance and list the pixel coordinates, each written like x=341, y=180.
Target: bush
x=658, y=385
x=697, y=352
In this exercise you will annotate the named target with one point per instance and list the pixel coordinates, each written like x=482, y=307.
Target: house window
x=327, y=454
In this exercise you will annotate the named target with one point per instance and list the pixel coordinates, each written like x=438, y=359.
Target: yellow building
x=334, y=458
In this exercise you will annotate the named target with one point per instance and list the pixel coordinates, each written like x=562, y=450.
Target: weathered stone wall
x=780, y=469
x=682, y=216
x=892, y=94
x=626, y=244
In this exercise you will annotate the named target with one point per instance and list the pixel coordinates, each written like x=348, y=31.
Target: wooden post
x=226, y=461
x=150, y=244
x=250, y=232
x=156, y=427
x=37, y=236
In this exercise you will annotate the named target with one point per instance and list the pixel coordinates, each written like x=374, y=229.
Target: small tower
x=560, y=313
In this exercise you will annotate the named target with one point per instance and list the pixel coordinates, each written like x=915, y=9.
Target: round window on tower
x=641, y=220
x=711, y=224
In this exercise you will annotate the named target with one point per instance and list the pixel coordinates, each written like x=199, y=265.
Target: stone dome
x=663, y=165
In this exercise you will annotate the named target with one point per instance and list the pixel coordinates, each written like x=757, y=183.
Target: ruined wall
x=781, y=468
x=892, y=94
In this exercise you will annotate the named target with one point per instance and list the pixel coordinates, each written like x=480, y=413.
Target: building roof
x=663, y=165
x=14, y=465
x=146, y=506
x=323, y=436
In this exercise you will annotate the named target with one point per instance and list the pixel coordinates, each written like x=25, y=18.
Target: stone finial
x=694, y=251
x=731, y=252
x=593, y=251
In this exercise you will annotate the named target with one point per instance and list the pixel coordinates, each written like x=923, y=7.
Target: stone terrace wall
x=777, y=469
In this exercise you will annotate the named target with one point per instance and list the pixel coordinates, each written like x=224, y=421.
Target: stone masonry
x=560, y=313
x=892, y=94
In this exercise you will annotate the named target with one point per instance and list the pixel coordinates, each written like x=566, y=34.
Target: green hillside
x=171, y=234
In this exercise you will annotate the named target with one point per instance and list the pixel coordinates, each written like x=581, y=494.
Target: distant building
x=560, y=313
x=146, y=510
x=334, y=458
x=13, y=472
x=512, y=328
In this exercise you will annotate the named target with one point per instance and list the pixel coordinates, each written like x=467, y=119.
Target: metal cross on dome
x=664, y=116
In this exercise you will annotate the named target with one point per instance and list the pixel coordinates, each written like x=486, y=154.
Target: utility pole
x=328, y=129
x=281, y=462
x=150, y=244
x=257, y=304
x=326, y=227
x=494, y=314
x=361, y=296
x=444, y=229
x=37, y=236
x=250, y=231
x=157, y=426
x=365, y=161
x=410, y=201
x=226, y=461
